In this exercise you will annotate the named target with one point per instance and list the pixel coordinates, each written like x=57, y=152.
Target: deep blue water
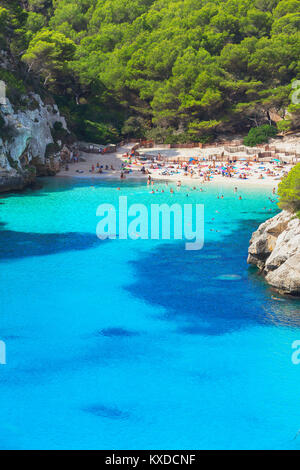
x=141, y=344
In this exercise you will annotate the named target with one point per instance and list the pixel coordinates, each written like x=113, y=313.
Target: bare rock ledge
x=275, y=250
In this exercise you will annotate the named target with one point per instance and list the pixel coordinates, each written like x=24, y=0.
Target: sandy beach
x=113, y=164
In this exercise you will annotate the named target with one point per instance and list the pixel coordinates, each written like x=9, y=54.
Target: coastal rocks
x=16, y=181
x=24, y=139
x=287, y=277
x=275, y=250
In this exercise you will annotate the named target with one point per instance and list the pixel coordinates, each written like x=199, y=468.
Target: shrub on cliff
x=2, y=126
x=15, y=87
x=259, y=135
x=100, y=133
x=289, y=191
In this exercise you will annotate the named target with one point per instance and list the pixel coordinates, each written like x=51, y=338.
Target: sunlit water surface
x=141, y=344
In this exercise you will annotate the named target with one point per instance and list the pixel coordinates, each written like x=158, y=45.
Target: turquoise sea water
x=141, y=344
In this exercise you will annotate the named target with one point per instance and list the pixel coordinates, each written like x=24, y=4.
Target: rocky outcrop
x=16, y=181
x=25, y=136
x=275, y=250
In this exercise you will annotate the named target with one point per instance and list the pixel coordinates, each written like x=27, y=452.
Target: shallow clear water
x=141, y=344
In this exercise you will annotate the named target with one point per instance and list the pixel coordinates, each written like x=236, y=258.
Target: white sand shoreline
x=117, y=160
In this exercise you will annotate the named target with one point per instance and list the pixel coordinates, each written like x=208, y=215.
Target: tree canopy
x=187, y=68
x=289, y=191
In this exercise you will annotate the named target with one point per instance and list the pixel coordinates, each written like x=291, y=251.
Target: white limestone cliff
x=25, y=135
x=275, y=250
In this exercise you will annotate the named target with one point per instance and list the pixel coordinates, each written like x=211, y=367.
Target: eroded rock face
x=24, y=140
x=15, y=181
x=275, y=250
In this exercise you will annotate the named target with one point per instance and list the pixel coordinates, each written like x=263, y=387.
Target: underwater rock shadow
x=207, y=292
x=117, y=331
x=18, y=245
x=102, y=411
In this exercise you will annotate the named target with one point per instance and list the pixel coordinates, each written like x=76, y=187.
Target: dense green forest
x=172, y=70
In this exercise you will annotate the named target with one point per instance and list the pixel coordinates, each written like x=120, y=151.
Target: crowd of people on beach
x=132, y=164
x=207, y=170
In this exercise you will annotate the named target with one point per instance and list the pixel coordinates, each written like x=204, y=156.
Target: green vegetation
x=259, y=135
x=2, y=127
x=51, y=149
x=285, y=125
x=14, y=86
x=289, y=191
x=178, y=70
